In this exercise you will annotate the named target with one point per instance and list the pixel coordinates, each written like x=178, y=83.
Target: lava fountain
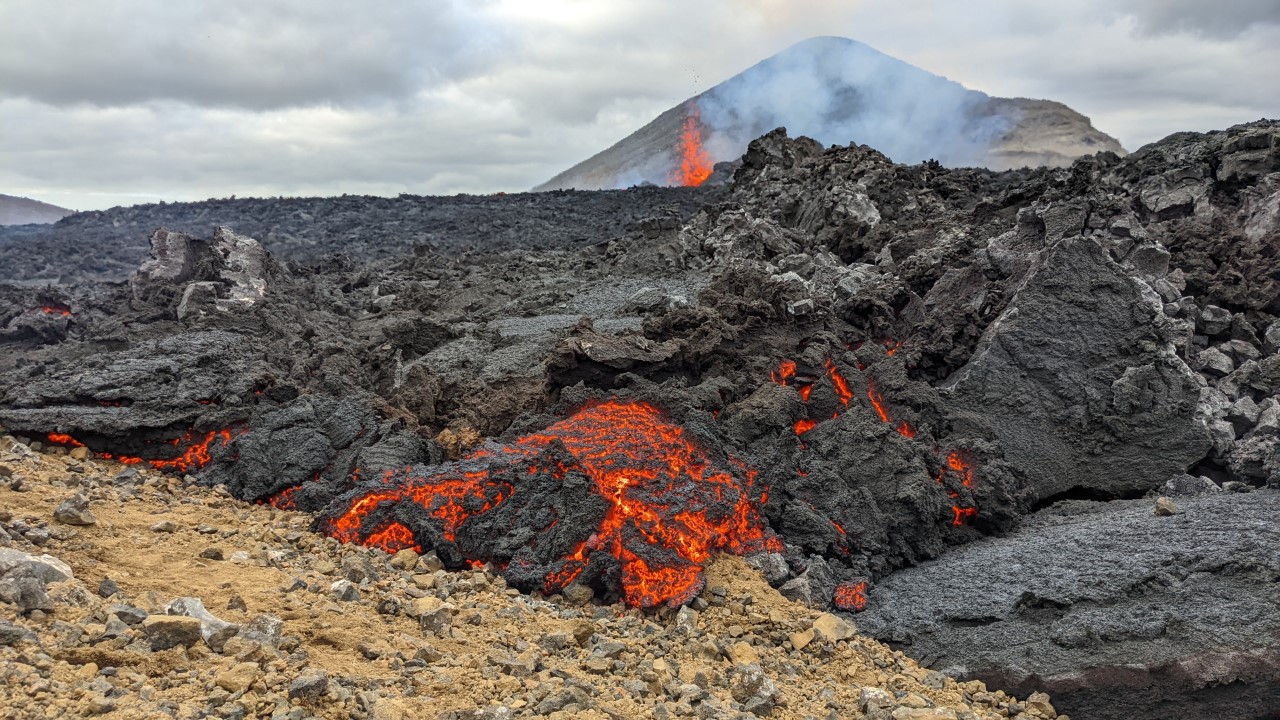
x=694, y=163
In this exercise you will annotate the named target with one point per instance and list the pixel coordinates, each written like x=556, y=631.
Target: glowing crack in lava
x=851, y=596
x=666, y=506
x=694, y=163
x=954, y=463
x=56, y=309
x=194, y=450
x=962, y=469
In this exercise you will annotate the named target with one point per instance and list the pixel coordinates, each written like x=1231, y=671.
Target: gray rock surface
x=1181, y=610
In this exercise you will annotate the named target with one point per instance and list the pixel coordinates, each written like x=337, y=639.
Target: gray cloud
x=1212, y=19
x=110, y=100
x=259, y=54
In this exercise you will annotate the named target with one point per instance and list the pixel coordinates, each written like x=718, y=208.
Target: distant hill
x=837, y=91
x=24, y=211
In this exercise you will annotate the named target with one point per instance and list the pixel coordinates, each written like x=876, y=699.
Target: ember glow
x=194, y=450
x=56, y=309
x=668, y=507
x=851, y=596
x=960, y=468
x=694, y=163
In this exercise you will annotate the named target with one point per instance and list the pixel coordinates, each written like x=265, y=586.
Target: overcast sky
x=114, y=102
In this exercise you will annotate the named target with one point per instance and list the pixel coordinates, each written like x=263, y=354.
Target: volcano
x=837, y=91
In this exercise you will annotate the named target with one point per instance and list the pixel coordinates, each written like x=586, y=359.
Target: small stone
x=324, y=567
x=107, y=588
x=1214, y=363
x=238, y=678
x=406, y=559
x=582, y=632
x=434, y=615
x=11, y=634
x=237, y=603
x=801, y=640
x=577, y=594
x=871, y=699
x=167, y=631
x=344, y=590
x=933, y=713
x=127, y=614
x=1214, y=320
x=832, y=628
x=742, y=653
x=26, y=593
x=308, y=688
x=597, y=666
x=74, y=511
x=212, y=553
x=165, y=526
x=687, y=619
x=1038, y=702
x=1165, y=507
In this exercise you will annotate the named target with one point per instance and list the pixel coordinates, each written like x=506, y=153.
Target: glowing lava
x=850, y=596
x=56, y=309
x=695, y=163
x=194, y=455
x=667, y=506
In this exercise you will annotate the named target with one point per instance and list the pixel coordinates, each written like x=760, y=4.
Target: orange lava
x=962, y=514
x=195, y=450
x=60, y=310
x=877, y=401
x=694, y=162
x=840, y=383
x=804, y=425
x=637, y=461
x=785, y=372
x=851, y=597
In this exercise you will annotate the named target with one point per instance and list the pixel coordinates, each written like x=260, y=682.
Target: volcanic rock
x=1165, y=507
x=214, y=631
x=74, y=511
x=167, y=631
x=308, y=688
x=833, y=628
x=1133, y=627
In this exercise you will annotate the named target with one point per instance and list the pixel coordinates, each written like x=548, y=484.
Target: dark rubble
x=911, y=358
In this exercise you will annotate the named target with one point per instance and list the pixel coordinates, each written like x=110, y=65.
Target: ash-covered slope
x=838, y=91
x=25, y=211
x=842, y=366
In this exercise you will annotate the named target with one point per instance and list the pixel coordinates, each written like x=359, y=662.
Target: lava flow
x=194, y=455
x=695, y=163
x=664, y=507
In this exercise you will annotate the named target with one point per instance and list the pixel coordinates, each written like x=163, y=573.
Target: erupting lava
x=695, y=163
x=194, y=455
x=666, y=507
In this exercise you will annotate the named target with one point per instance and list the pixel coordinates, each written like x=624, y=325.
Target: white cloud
x=119, y=99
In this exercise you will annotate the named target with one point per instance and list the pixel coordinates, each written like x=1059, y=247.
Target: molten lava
x=194, y=455
x=56, y=309
x=667, y=507
x=850, y=596
x=694, y=163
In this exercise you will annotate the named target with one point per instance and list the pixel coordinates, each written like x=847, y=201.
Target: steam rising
x=838, y=91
